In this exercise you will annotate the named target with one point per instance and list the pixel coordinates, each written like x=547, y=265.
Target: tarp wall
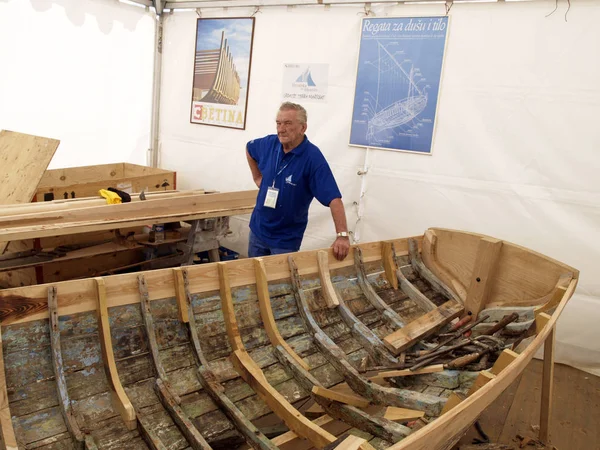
x=516, y=145
x=79, y=71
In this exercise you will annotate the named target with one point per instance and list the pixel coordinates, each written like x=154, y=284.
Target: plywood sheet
x=23, y=161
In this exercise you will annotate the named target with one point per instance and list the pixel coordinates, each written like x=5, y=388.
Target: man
x=290, y=171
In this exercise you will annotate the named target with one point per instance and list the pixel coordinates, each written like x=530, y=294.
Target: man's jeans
x=256, y=247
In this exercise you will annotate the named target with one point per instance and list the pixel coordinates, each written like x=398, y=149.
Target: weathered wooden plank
x=326, y=285
x=424, y=272
x=377, y=394
x=59, y=374
x=407, y=372
x=488, y=252
x=402, y=414
x=209, y=381
x=180, y=295
x=6, y=425
x=266, y=312
x=414, y=293
x=388, y=314
x=121, y=402
x=418, y=329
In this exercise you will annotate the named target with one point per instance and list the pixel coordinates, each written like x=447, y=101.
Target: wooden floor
x=575, y=422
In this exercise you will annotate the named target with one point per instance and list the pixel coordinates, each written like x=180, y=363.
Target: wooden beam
x=348, y=399
x=402, y=414
x=122, y=215
x=6, y=425
x=207, y=378
x=290, y=436
x=253, y=375
x=350, y=443
x=180, y=295
x=422, y=327
x=389, y=265
x=326, y=285
x=547, y=387
x=406, y=372
x=413, y=293
x=389, y=315
x=266, y=313
x=453, y=401
x=119, y=398
x=377, y=394
x=59, y=373
x=488, y=252
x=540, y=322
x=482, y=379
x=424, y=272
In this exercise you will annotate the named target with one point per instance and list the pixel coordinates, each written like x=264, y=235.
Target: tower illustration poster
x=398, y=82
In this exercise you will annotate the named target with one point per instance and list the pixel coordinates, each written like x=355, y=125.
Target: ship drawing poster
x=398, y=82
x=222, y=71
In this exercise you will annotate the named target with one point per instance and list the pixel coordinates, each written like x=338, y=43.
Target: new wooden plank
x=326, y=285
x=506, y=357
x=266, y=312
x=120, y=400
x=488, y=252
x=290, y=436
x=126, y=214
x=406, y=372
x=557, y=296
x=416, y=330
x=254, y=376
x=351, y=443
x=23, y=160
x=547, y=387
x=402, y=414
x=29, y=303
x=348, y=399
x=387, y=256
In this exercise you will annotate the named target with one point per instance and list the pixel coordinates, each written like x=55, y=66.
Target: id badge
x=271, y=197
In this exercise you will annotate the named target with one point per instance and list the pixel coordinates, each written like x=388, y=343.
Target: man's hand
x=341, y=247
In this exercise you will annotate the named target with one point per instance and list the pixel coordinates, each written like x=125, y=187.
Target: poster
x=398, y=82
x=305, y=83
x=222, y=71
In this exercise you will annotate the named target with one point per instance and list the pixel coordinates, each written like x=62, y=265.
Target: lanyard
x=282, y=169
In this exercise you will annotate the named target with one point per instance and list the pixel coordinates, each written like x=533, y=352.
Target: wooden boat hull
x=233, y=354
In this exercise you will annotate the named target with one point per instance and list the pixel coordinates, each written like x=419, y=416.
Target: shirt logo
x=288, y=180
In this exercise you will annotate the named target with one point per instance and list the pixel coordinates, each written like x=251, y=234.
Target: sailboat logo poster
x=222, y=71
x=398, y=82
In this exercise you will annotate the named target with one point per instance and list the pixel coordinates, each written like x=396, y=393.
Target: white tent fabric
x=515, y=150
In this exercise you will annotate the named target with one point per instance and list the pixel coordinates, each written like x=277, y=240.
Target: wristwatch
x=342, y=234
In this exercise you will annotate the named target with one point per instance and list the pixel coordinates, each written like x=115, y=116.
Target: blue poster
x=398, y=82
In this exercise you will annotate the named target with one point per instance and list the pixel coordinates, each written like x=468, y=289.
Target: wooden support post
x=207, y=378
x=389, y=265
x=389, y=315
x=547, y=387
x=8, y=432
x=119, y=398
x=488, y=253
x=413, y=293
x=377, y=394
x=424, y=272
x=422, y=327
x=266, y=312
x=59, y=373
x=326, y=285
x=180, y=295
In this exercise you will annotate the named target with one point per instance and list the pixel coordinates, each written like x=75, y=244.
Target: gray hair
x=302, y=116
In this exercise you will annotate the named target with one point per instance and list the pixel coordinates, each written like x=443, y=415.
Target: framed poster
x=222, y=71
x=398, y=83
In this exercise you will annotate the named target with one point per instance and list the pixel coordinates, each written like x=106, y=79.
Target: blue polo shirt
x=300, y=176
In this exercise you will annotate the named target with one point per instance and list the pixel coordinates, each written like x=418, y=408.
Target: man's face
x=289, y=128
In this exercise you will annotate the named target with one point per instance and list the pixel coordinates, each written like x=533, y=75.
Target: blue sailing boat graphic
x=305, y=79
